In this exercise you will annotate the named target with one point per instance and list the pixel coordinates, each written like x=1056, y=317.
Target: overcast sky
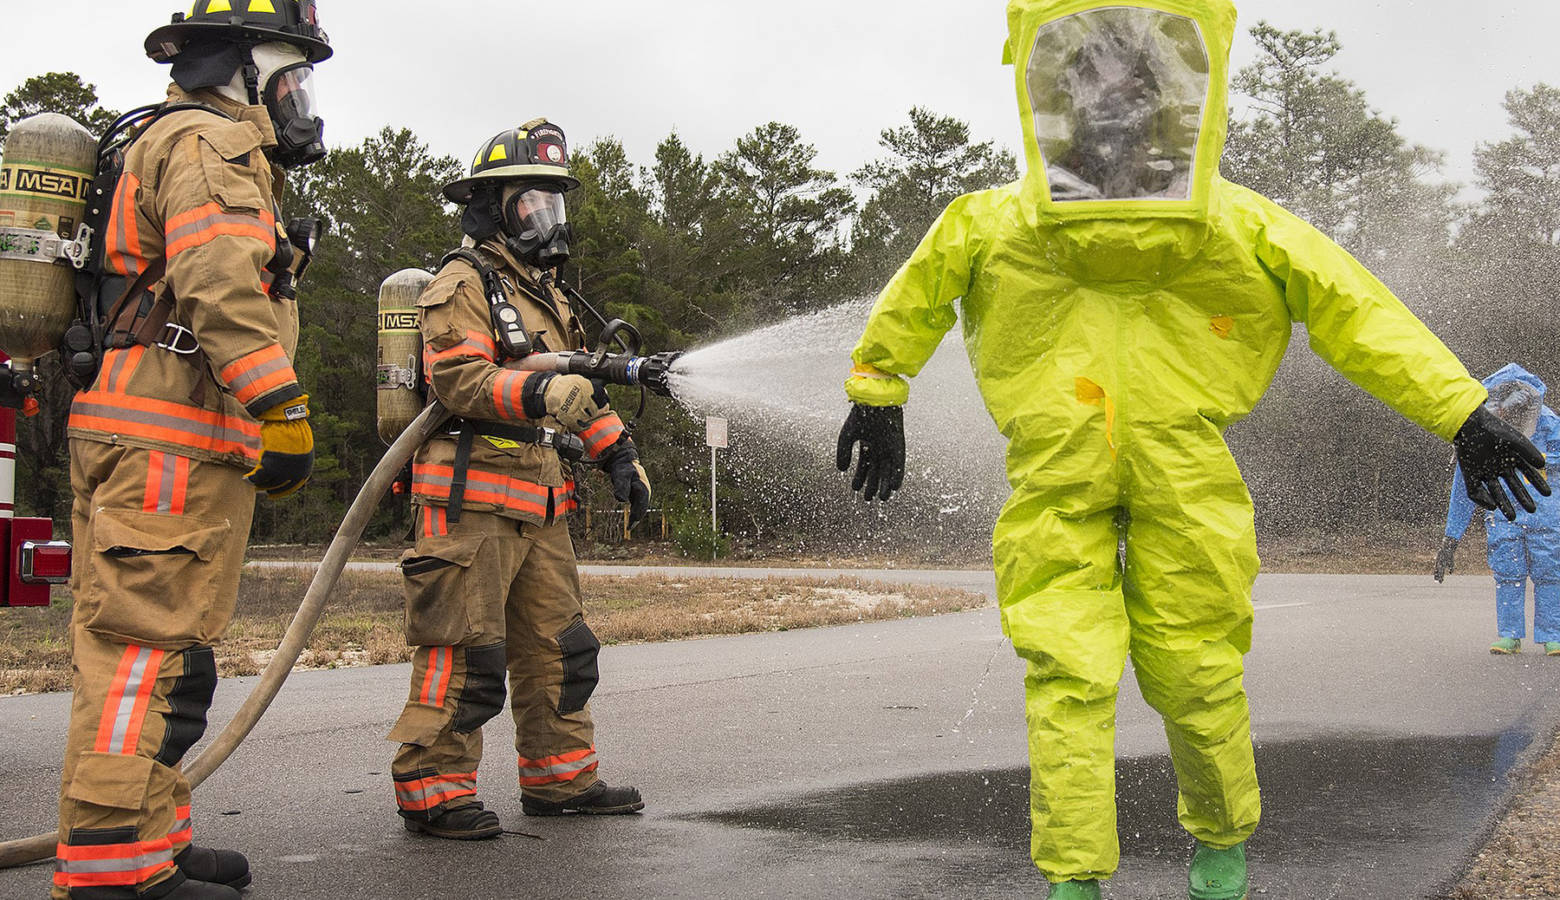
x=457, y=71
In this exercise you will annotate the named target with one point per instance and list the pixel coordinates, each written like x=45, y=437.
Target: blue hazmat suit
x=1528, y=548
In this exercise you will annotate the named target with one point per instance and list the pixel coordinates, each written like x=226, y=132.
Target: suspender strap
x=462, y=464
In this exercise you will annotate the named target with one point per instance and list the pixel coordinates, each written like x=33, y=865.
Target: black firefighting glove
x=1446, y=558
x=1490, y=452
x=630, y=484
x=881, y=463
x=286, y=449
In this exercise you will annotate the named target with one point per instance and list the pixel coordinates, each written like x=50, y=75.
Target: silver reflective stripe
x=127, y=699
x=179, y=825
x=206, y=222
x=433, y=790
x=169, y=473
x=578, y=765
x=238, y=384
x=439, y=660
x=120, y=358
x=142, y=417
x=121, y=237
x=119, y=864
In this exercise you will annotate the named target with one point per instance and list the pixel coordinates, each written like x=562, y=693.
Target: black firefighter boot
x=463, y=823
x=181, y=888
x=596, y=800
x=227, y=867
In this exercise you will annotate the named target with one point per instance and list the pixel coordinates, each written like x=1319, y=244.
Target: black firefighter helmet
x=536, y=150
x=294, y=22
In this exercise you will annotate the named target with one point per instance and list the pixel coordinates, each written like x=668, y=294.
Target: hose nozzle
x=654, y=370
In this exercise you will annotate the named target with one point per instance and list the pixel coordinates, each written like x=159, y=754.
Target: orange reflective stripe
x=162, y=420
x=122, y=247
x=507, y=388
x=167, y=483
x=253, y=375
x=559, y=768
x=183, y=829
x=436, y=680
x=476, y=344
x=124, y=710
x=426, y=793
x=434, y=522
x=120, y=365
x=205, y=224
x=103, y=865
x=431, y=480
x=601, y=434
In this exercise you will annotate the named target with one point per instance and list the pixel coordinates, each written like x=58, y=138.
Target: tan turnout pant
x=159, y=540
x=486, y=596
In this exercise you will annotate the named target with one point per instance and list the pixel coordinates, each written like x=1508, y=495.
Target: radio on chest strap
x=513, y=341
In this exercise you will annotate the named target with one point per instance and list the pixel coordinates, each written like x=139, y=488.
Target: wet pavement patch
x=1376, y=802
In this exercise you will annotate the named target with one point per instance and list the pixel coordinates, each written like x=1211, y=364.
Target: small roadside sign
x=715, y=431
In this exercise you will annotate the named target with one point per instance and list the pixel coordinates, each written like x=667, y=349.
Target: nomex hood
x=1124, y=105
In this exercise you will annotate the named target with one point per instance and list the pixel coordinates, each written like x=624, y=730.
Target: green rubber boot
x=1218, y=874
x=1552, y=648
x=1075, y=890
x=1506, y=646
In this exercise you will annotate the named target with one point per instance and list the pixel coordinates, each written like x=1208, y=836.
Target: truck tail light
x=44, y=562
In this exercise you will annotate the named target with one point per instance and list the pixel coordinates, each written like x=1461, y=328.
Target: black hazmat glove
x=1446, y=558
x=881, y=464
x=630, y=484
x=1490, y=452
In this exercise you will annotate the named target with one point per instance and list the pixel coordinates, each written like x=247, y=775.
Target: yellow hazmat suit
x=1122, y=305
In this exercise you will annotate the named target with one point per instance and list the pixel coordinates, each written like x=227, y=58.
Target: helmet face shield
x=1118, y=96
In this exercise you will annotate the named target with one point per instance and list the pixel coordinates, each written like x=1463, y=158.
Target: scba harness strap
x=512, y=337
x=515, y=343
x=112, y=319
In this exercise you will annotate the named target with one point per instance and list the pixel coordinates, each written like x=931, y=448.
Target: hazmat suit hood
x=1124, y=112
x=1517, y=396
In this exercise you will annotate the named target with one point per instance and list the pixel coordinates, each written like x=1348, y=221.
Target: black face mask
x=300, y=135
x=535, y=227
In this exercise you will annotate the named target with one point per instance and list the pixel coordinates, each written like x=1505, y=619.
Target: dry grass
x=362, y=623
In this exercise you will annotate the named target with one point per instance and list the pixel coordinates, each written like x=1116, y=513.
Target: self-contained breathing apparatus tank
x=45, y=175
x=398, y=373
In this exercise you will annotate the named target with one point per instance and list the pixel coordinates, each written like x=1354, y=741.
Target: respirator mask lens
x=537, y=210
x=291, y=97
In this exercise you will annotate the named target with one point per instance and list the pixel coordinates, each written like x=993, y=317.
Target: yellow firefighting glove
x=571, y=399
x=286, y=449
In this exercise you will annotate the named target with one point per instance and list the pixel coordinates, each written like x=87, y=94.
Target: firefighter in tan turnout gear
x=195, y=408
x=491, y=585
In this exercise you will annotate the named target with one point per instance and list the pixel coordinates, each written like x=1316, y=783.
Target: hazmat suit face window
x=1118, y=96
x=1518, y=404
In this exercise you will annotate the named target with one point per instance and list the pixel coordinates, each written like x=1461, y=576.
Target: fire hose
x=41, y=847
x=648, y=372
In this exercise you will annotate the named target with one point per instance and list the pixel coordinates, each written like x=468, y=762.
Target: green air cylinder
x=44, y=177
x=398, y=375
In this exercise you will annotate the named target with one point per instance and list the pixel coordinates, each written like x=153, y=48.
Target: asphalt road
x=888, y=760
